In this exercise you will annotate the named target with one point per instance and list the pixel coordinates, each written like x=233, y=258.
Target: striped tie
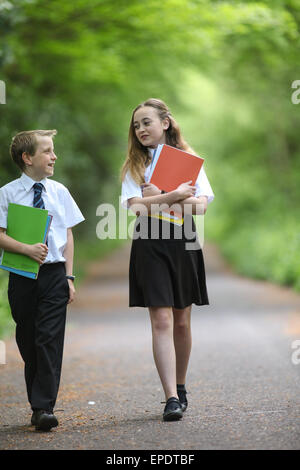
x=37, y=198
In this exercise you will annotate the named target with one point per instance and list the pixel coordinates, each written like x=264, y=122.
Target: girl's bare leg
x=182, y=341
x=163, y=348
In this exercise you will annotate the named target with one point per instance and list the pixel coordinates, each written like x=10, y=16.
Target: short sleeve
x=203, y=187
x=3, y=209
x=72, y=211
x=129, y=189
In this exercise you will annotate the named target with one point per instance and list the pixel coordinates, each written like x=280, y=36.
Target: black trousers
x=39, y=309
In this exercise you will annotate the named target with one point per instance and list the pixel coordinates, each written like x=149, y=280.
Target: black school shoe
x=173, y=410
x=43, y=420
x=181, y=392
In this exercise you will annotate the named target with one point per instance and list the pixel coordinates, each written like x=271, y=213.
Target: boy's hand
x=38, y=252
x=72, y=291
x=149, y=189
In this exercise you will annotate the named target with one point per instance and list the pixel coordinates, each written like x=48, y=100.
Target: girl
x=164, y=275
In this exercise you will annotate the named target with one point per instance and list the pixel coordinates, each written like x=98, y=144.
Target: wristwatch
x=70, y=277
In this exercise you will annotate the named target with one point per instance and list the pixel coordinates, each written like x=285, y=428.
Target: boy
x=39, y=306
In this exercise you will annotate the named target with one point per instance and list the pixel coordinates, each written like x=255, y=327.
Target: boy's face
x=41, y=164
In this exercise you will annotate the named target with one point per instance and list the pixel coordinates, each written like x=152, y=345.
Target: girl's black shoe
x=173, y=410
x=181, y=392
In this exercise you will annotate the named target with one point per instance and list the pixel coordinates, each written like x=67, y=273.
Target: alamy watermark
x=153, y=227
x=296, y=354
x=2, y=92
x=2, y=353
x=295, y=98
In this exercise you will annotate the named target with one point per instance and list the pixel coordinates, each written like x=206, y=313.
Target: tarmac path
x=243, y=381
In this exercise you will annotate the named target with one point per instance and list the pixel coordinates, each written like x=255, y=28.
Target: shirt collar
x=151, y=151
x=28, y=182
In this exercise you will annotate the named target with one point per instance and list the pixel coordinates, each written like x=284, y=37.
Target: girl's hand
x=37, y=252
x=149, y=189
x=185, y=190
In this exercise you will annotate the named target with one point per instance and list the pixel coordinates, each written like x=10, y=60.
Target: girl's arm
x=199, y=204
x=37, y=252
x=69, y=255
x=144, y=205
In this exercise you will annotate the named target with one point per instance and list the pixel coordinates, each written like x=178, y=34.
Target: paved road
x=244, y=387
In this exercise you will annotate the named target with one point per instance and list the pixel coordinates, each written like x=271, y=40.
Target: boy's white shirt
x=131, y=189
x=59, y=203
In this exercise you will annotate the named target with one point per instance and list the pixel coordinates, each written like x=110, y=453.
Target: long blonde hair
x=138, y=157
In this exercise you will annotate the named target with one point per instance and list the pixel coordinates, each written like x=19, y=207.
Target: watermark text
x=2, y=92
x=295, y=98
x=2, y=353
x=160, y=221
x=296, y=354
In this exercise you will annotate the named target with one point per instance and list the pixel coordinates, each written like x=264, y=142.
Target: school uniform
x=39, y=306
x=163, y=269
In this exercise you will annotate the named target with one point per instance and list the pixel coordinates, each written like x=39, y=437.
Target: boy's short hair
x=26, y=142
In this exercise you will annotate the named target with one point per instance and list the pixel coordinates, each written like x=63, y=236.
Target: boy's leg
x=23, y=303
x=53, y=291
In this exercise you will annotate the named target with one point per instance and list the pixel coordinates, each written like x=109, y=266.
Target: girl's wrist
x=177, y=195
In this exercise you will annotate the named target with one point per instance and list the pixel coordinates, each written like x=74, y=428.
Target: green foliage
x=224, y=67
x=252, y=160
x=80, y=67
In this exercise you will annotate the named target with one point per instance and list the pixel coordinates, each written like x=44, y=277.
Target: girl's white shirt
x=131, y=189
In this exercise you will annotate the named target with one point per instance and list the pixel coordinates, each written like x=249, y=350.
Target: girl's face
x=149, y=129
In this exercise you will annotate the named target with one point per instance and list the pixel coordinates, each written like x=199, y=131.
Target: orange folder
x=174, y=167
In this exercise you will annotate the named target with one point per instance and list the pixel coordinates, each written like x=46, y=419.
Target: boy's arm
x=37, y=252
x=69, y=255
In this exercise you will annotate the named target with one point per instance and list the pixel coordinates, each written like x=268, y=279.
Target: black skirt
x=166, y=265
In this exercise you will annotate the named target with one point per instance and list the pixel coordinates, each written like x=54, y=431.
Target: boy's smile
x=41, y=164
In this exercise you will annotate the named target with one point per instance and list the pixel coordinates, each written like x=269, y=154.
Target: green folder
x=27, y=225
